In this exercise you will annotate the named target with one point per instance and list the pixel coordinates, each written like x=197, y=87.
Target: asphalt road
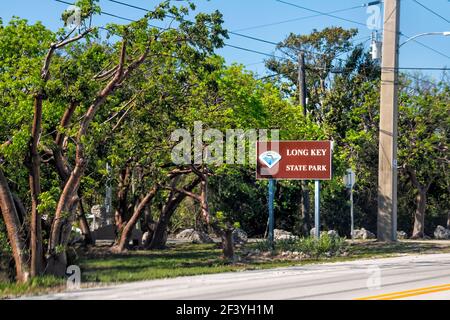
x=406, y=277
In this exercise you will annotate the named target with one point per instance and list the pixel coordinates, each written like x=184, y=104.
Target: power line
x=102, y=12
x=225, y=44
x=360, y=23
x=111, y=15
x=297, y=19
x=131, y=20
x=244, y=35
x=230, y=45
x=399, y=68
x=322, y=13
x=230, y=32
x=421, y=68
x=433, y=12
x=254, y=51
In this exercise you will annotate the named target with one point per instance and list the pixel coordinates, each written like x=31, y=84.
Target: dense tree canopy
x=80, y=113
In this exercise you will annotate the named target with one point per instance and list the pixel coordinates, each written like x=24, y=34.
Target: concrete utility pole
x=387, y=160
x=302, y=100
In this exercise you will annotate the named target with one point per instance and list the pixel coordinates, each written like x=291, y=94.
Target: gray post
x=271, y=217
x=317, y=208
x=352, y=226
x=108, y=196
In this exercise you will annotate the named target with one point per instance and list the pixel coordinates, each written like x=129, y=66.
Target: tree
x=423, y=143
x=78, y=82
x=319, y=50
x=21, y=50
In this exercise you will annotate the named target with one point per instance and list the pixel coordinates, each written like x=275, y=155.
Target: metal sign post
x=349, y=180
x=271, y=217
x=317, y=209
x=352, y=222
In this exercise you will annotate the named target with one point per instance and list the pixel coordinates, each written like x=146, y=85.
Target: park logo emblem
x=270, y=158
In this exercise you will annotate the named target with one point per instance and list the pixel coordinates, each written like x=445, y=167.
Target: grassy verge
x=37, y=285
x=99, y=266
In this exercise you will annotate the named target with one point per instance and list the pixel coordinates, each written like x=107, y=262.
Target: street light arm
x=445, y=33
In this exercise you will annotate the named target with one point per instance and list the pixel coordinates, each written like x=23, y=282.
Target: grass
x=37, y=285
x=99, y=266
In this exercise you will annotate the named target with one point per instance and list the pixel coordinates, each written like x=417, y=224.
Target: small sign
x=294, y=160
x=349, y=179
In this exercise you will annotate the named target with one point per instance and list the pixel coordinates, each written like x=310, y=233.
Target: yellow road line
x=407, y=293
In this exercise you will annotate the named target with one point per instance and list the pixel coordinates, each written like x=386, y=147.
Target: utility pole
x=387, y=160
x=302, y=81
x=302, y=100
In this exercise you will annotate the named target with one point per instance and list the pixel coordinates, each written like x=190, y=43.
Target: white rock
x=145, y=237
x=185, y=234
x=333, y=234
x=194, y=236
x=239, y=236
x=363, y=234
x=441, y=233
x=279, y=234
x=402, y=235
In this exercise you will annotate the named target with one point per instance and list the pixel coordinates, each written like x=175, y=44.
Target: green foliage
x=324, y=246
x=5, y=253
x=48, y=201
x=183, y=81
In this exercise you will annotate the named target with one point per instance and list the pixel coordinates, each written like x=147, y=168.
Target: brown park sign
x=295, y=160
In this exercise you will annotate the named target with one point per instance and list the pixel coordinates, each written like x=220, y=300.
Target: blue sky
x=240, y=15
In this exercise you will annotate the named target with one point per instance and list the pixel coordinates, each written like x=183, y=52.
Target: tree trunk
x=159, y=238
x=21, y=212
x=35, y=190
x=63, y=170
x=227, y=244
x=305, y=208
x=448, y=220
x=13, y=229
x=57, y=260
x=204, y=199
x=225, y=234
x=419, y=216
x=421, y=204
x=149, y=226
x=160, y=234
x=128, y=229
x=121, y=212
x=84, y=225
x=60, y=160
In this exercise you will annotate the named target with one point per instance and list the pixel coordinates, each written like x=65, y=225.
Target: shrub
x=326, y=245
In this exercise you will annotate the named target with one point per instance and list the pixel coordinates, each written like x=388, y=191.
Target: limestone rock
x=363, y=234
x=194, y=236
x=401, y=235
x=280, y=234
x=239, y=236
x=441, y=233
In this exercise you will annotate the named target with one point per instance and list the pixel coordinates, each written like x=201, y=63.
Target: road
x=405, y=277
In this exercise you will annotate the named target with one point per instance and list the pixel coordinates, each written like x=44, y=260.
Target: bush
x=326, y=245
